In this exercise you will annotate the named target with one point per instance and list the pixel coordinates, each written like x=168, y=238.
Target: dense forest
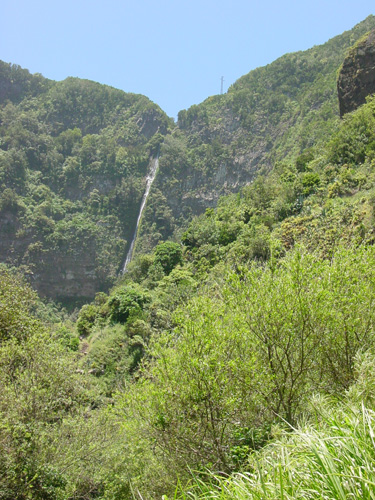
x=73, y=159
x=235, y=358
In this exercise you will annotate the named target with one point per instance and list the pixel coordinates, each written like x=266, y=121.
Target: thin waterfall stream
x=149, y=180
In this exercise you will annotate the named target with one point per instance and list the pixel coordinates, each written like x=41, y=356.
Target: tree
x=16, y=302
x=127, y=300
x=250, y=351
x=168, y=255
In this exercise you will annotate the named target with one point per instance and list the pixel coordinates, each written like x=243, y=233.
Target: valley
x=186, y=309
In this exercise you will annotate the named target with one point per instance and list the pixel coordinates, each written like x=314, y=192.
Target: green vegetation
x=270, y=116
x=73, y=157
x=328, y=459
x=210, y=351
x=45, y=405
x=233, y=360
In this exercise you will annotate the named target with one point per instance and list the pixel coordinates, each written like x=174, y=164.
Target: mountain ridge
x=77, y=150
x=73, y=159
x=268, y=116
x=204, y=355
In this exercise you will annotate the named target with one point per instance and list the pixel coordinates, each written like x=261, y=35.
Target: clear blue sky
x=174, y=52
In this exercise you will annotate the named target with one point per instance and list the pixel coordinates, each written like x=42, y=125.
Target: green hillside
x=194, y=377
x=266, y=118
x=74, y=156
x=233, y=361
x=73, y=159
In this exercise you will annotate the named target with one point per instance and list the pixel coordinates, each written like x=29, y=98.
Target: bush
x=253, y=349
x=127, y=300
x=86, y=318
x=168, y=255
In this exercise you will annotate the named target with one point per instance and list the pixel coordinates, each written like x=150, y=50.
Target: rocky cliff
x=357, y=76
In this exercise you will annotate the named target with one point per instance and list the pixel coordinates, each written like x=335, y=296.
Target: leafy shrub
x=310, y=182
x=86, y=319
x=16, y=302
x=168, y=255
x=303, y=160
x=127, y=300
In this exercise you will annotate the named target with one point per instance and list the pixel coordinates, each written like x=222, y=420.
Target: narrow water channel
x=149, y=180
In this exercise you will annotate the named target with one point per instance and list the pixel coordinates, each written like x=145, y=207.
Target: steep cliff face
x=357, y=76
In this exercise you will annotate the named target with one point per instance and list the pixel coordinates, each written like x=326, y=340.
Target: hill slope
x=268, y=116
x=73, y=159
x=207, y=352
x=74, y=155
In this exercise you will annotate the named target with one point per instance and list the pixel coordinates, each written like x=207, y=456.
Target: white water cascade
x=149, y=180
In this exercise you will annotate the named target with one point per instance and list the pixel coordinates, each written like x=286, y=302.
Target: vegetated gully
x=154, y=164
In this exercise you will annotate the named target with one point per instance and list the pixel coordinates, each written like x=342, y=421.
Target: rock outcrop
x=357, y=76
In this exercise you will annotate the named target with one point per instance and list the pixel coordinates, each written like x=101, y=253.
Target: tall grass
x=333, y=459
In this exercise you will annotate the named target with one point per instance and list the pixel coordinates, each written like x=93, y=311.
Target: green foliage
x=19, y=83
x=247, y=350
x=202, y=230
x=168, y=255
x=303, y=160
x=16, y=302
x=73, y=158
x=355, y=142
x=331, y=459
x=127, y=301
x=67, y=338
x=206, y=350
x=53, y=444
x=190, y=397
x=11, y=203
x=281, y=113
x=110, y=356
x=86, y=319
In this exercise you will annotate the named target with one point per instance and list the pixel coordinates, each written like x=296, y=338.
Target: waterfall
x=149, y=180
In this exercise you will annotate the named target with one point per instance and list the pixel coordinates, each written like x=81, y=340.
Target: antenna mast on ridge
x=222, y=84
